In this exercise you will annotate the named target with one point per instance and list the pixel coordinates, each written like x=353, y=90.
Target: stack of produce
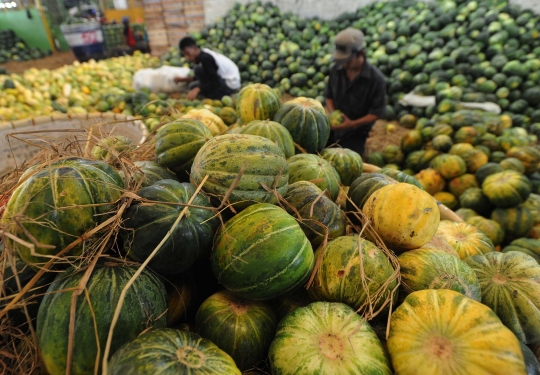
x=113, y=36
x=73, y=88
x=228, y=256
x=470, y=51
x=13, y=48
x=475, y=162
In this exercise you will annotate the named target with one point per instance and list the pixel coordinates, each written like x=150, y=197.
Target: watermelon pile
x=215, y=249
x=469, y=51
x=13, y=48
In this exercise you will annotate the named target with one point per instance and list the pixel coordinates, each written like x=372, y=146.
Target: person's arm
x=182, y=79
x=377, y=110
x=329, y=94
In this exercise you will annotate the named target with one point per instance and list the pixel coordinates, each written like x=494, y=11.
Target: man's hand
x=181, y=79
x=193, y=93
x=347, y=123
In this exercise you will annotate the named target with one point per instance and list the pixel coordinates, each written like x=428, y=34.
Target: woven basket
x=23, y=139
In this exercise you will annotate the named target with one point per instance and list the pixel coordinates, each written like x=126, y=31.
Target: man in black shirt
x=357, y=89
x=215, y=74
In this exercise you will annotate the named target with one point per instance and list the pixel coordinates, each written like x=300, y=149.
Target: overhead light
x=8, y=5
x=13, y=4
x=2, y=5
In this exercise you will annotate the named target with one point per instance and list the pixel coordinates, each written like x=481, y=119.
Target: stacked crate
x=168, y=21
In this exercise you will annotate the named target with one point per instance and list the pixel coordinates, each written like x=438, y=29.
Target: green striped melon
x=326, y=338
x=399, y=176
x=460, y=149
x=431, y=180
x=171, y=351
x=411, y=141
x=363, y=187
x=392, y=154
x=449, y=166
x=111, y=147
x=529, y=246
x=533, y=205
x=352, y=270
x=145, y=226
x=497, y=157
x=443, y=332
x=442, y=142
x=316, y=213
x=308, y=125
x=529, y=156
x=376, y=158
x=516, y=222
x=257, y=102
x=434, y=269
x=464, y=238
x=148, y=173
x=57, y=203
x=144, y=306
x=510, y=284
x=489, y=227
x=507, y=189
x=474, y=159
x=348, y=164
x=418, y=160
x=466, y=134
x=242, y=328
x=466, y=213
x=487, y=170
x=273, y=131
x=262, y=253
x=312, y=168
x=178, y=142
x=475, y=199
x=458, y=185
x=512, y=164
x=223, y=157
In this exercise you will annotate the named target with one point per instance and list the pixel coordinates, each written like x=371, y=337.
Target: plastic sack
x=161, y=79
x=414, y=100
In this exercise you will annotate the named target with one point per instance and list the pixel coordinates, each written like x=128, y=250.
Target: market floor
x=56, y=60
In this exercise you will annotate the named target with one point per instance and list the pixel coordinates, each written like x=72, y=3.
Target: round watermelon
x=144, y=306
x=178, y=142
x=262, y=253
x=353, y=271
x=347, y=163
x=223, y=157
x=326, y=338
x=306, y=121
x=308, y=167
x=171, y=351
x=242, y=328
x=57, y=204
x=510, y=284
x=316, y=213
x=145, y=226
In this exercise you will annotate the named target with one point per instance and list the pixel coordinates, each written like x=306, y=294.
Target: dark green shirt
x=366, y=94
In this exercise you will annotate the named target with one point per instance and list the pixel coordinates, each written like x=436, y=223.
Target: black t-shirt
x=366, y=94
x=210, y=80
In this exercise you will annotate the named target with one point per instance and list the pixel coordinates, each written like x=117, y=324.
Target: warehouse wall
x=31, y=30
x=309, y=8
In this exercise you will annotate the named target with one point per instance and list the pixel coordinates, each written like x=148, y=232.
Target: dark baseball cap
x=347, y=43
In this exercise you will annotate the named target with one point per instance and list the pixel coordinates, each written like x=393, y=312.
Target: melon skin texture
x=90, y=187
x=510, y=284
x=466, y=239
x=404, y=216
x=242, y=328
x=145, y=306
x=307, y=167
x=257, y=102
x=443, y=332
x=348, y=164
x=262, y=253
x=326, y=338
x=170, y=351
x=222, y=159
x=352, y=270
x=433, y=269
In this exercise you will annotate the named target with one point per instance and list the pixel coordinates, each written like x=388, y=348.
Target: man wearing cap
x=357, y=89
